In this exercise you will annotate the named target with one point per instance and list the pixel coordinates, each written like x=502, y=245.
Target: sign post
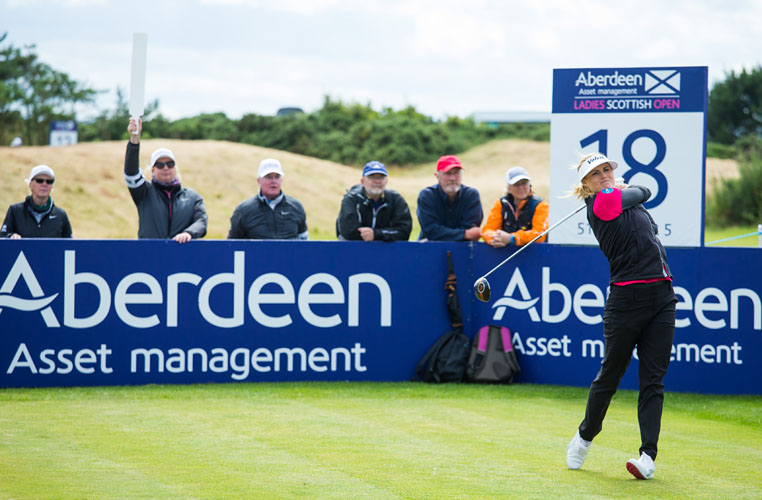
x=652, y=121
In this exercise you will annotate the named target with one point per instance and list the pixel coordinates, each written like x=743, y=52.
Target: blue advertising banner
x=612, y=90
x=116, y=312
x=553, y=300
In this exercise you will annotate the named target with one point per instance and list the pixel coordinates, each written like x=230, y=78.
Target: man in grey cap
x=270, y=214
x=37, y=216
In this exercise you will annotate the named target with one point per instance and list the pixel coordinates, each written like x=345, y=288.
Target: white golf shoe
x=642, y=468
x=577, y=451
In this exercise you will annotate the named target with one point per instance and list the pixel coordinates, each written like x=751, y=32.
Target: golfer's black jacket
x=19, y=220
x=626, y=234
x=390, y=222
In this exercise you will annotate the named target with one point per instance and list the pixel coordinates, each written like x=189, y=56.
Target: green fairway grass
x=363, y=440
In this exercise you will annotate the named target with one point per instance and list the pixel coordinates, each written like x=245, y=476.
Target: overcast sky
x=445, y=57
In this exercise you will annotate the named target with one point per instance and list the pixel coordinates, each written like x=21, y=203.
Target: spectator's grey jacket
x=391, y=221
x=256, y=219
x=163, y=213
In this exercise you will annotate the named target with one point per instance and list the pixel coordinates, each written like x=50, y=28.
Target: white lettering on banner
x=707, y=353
x=22, y=269
x=547, y=288
x=62, y=362
x=306, y=298
x=703, y=305
x=588, y=295
x=71, y=280
x=256, y=297
x=236, y=279
x=241, y=360
x=354, y=298
x=596, y=348
x=713, y=308
x=542, y=346
x=173, y=280
x=123, y=297
x=611, y=80
x=517, y=281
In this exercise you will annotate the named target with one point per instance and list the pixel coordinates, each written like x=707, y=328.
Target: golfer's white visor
x=593, y=162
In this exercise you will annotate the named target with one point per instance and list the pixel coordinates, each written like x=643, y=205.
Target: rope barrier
x=757, y=233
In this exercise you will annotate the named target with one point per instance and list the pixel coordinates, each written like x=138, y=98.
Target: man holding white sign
x=166, y=209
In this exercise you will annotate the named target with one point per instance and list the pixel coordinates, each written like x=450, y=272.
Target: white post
x=759, y=235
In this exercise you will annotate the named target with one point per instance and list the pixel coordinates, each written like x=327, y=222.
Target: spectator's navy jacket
x=442, y=219
x=163, y=212
x=626, y=234
x=20, y=220
x=390, y=220
x=256, y=219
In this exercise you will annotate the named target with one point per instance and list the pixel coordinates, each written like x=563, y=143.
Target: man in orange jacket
x=519, y=216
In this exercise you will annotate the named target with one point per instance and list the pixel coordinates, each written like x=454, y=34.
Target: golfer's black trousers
x=642, y=315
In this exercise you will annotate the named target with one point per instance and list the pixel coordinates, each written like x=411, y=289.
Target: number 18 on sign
x=652, y=121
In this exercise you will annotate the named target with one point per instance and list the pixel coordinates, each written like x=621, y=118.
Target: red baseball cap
x=447, y=163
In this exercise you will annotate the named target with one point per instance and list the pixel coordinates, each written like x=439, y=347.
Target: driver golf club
x=481, y=286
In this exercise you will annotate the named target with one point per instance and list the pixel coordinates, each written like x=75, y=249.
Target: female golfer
x=640, y=309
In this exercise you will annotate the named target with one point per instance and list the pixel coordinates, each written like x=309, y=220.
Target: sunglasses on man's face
x=48, y=181
x=162, y=164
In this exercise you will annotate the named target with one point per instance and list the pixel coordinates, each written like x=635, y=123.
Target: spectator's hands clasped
x=501, y=239
x=366, y=233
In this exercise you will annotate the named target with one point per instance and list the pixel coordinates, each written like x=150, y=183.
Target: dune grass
x=363, y=440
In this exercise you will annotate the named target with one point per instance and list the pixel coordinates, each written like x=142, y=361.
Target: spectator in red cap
x=448, y=210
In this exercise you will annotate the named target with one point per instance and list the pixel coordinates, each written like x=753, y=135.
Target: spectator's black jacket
x=390, y=222
x=19, y=220
x=255, y=220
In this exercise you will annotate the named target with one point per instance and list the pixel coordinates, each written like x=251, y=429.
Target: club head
x=481, y=289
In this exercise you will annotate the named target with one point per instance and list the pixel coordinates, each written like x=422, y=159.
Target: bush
x=717, y=150
x=737, y=201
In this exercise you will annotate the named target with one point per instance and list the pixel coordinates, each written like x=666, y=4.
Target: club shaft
x=535, y=239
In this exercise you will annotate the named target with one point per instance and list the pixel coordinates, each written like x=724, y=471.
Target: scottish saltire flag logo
x=662, y=82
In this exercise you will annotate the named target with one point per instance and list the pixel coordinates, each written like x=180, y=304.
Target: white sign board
x=653, y=123
x=138, y=74
x=63, y=133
